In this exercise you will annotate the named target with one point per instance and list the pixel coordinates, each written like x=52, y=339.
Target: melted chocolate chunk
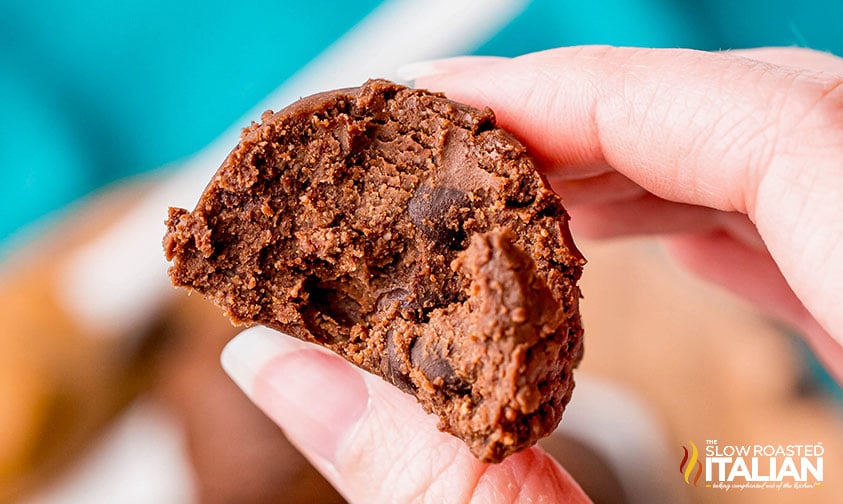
x=397, y=375
x=403, y=301
x=436, y=368
x=438, y=212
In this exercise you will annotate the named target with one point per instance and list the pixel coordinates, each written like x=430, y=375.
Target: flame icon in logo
x=689, y=460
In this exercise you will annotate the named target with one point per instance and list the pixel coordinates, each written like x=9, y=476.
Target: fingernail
x=442, y=66
x=413, y=71
x=315, y=396
x=244, y=356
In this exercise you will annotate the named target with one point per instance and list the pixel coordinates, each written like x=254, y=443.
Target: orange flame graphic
x=686, y=467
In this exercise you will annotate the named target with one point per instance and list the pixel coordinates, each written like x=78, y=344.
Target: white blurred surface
x=139, y=460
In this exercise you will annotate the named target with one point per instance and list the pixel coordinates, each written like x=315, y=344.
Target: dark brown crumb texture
x=408, y=234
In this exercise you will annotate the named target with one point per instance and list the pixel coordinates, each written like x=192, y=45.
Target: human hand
x=373, y=442
x=734, y=158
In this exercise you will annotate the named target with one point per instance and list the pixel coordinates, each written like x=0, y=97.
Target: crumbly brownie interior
x=410, y=235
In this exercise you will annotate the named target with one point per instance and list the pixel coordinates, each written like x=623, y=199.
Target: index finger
x=712, y=129
x=660, y=117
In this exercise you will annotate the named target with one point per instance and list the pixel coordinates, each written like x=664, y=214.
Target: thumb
x=372, y=441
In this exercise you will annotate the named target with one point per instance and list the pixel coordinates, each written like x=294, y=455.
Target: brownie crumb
x=410, y=235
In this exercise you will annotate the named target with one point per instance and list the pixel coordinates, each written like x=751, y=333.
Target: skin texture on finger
x=651, y=215
x=420, y=464
x=752, y=274
x=647, y=214
x=711, y=129
x=687, y=125
x=373, y=442
x=796, y=57
x=579, y=172
x=609, y=187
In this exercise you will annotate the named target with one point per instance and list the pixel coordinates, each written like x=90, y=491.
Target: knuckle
x=829, y=105
x=816, y=115
x=805, y=135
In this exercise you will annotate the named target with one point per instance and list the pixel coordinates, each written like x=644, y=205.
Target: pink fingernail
x=316, y=397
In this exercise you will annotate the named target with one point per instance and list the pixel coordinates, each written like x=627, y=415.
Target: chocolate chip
x=438, y=212
x=403, y=300
x=394, y=368
x=436, y=368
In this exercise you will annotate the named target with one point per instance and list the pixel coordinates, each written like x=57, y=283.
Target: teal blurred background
x=95, y=91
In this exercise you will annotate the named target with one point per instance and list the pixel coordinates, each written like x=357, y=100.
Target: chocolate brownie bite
x=410, y=235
